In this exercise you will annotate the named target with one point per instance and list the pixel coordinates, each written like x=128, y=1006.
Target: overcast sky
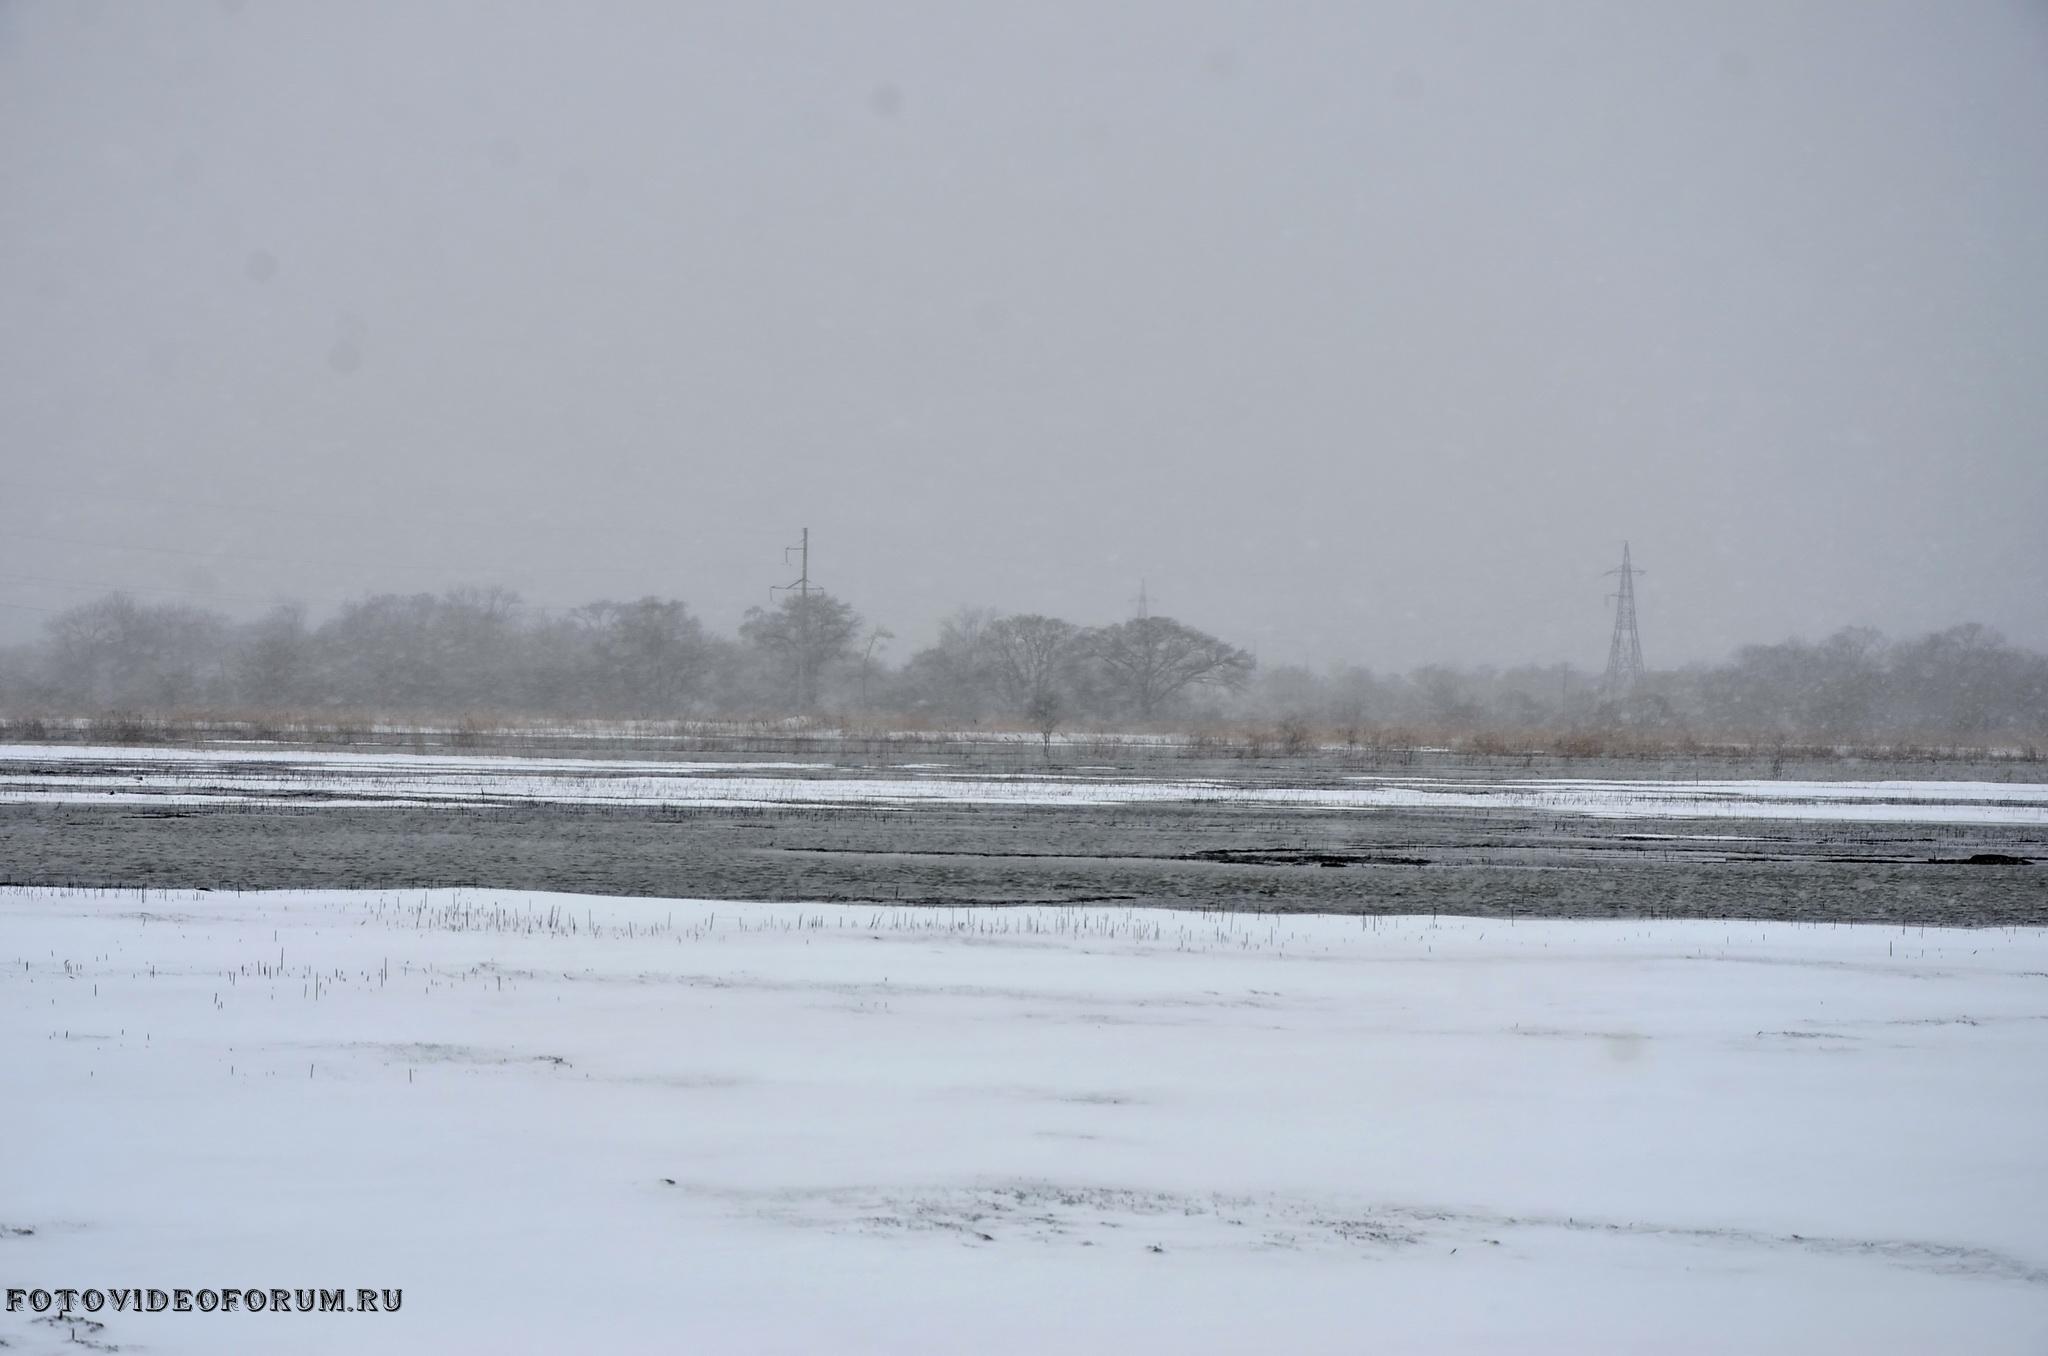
x=1356, y=331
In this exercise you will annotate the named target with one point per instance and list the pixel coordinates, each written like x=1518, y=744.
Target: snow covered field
x=575, y=1124
x=101, y=775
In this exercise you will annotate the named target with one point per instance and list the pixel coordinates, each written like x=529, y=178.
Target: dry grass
x=879, y=736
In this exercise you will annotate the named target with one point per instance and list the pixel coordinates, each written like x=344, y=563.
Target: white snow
x=1178, y=1132
x=113, y=775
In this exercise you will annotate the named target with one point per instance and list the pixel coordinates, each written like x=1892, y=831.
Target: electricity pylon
x=1625, y=650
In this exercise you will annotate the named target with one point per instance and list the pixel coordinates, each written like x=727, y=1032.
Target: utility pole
x=802, y=586
x=1625, y=650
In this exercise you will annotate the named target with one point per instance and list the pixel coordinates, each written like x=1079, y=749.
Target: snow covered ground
x=102, y=775
x=574, y=1124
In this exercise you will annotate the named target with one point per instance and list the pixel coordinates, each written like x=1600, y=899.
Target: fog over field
x=1166, y=675
x=1357, y=333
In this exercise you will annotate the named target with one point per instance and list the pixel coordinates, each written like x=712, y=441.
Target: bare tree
x=803, y=637
x=118, y=652
x=1045, y=711
x=1151, y=660
x=272, y=662
x=647, y=657
x=878, y=636
x=951, y=677
x=1030, y=657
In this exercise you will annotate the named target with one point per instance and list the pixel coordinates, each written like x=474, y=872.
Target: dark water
x=1185, y=855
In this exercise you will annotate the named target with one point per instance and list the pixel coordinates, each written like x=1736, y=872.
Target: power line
x=100, y=585
x=328, y=562
x=268, y=513
x=283, y=595
x=158, y=500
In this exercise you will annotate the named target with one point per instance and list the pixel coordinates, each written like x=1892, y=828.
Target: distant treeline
x=482, y=652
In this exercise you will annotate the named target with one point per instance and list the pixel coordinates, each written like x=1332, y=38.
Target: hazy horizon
x=1359, y=333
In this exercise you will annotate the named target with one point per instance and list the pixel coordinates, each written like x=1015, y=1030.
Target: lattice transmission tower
x=1625, y=650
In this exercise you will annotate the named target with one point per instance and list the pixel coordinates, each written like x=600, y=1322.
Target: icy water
x=1289, y=838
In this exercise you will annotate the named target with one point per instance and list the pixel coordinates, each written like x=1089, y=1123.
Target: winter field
x=563, y=1123
x=91, y=774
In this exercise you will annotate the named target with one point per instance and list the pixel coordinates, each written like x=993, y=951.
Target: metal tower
x=1625, y=651
x=802, y=588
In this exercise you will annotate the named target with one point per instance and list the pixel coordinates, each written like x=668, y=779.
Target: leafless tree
x=1030, y=657
x=878, y=636
x=1151, y=660
x=803, y=638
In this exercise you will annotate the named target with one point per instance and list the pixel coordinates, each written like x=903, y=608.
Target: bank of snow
x=628, y=1126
